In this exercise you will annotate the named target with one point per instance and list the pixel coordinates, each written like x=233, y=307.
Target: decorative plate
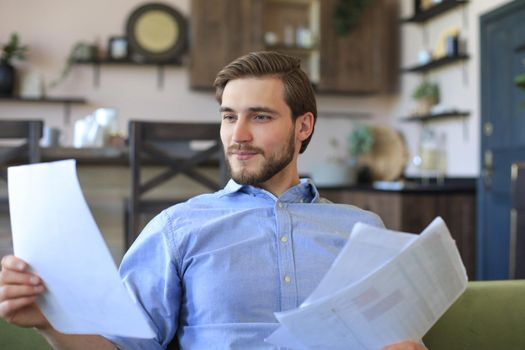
x=388, y=157
x=156, y=33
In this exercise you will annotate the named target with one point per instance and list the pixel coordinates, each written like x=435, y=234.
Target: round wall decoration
x=388, y=157
x=156, y=33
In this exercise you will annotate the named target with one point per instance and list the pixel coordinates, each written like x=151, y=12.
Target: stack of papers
x=383, y=288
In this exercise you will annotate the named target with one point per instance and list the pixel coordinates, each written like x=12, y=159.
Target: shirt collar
x=304, y=192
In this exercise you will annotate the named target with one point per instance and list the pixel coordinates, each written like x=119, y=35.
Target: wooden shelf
x=434, y=11
x=436, y=63
x=105, y=61
x=66, y=101
x=437, y=116
x=62, y=100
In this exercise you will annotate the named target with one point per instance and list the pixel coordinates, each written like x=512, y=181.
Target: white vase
x=331, y=173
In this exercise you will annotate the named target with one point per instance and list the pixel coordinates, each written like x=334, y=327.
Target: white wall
x=50, y=28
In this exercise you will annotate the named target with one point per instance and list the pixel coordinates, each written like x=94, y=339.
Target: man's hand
x=18, y=291
x=406, y=345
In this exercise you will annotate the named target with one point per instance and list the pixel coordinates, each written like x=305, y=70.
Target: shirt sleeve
x=151, y=275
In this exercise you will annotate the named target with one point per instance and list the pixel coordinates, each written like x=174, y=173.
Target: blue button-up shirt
x=212, y=271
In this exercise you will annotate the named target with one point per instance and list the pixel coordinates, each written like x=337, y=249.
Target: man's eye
x=228, y=117
x=262, y=117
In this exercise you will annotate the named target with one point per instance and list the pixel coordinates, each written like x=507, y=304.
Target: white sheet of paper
x=54, y=231
x=399, y=299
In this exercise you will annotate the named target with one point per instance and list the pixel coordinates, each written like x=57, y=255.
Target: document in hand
x=383, y=288
x=53, y=231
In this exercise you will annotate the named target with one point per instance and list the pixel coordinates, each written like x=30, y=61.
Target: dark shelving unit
x=66, y=101
x=96, y=63
x=107, y=61
x=436, y=116
x=434, y=11
x=436, y=63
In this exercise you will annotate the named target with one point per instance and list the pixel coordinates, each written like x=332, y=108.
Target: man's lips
x=243, y=155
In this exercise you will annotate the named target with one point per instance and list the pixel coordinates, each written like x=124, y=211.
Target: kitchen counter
x=412, y=185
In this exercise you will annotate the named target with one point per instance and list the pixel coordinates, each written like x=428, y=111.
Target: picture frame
x=118, y=48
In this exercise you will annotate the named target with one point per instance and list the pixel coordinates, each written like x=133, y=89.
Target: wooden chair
x=168, y=144
x=30, y=131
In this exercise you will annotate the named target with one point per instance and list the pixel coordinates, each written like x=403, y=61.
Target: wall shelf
x=126, y=62
x=436, y=63
x=434, y=11
x=66, y=101
x=99, y=62
x=436, y=116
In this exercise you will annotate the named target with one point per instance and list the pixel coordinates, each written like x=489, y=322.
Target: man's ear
x=304, y=126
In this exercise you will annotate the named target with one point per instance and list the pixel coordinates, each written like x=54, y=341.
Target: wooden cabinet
x=413, y=211
x=367, y=59
x=364, y=61
x=221, y=30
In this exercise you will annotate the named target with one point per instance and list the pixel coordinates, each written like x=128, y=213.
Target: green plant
x=360, y=140
x=426, y=91
x=80, y=51
x=519, y=80
x=347, y=14
x=13, y=50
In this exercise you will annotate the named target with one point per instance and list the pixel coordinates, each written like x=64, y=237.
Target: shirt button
x=279, y=204
x=284, y=239
x=287, y=279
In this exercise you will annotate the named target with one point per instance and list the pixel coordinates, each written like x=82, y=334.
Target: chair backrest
x=170, y=145
x=489, y=315
x=29, y=151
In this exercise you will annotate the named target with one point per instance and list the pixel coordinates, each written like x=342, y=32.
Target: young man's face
x=257, y=131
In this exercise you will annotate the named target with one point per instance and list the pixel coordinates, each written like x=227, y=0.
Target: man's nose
x=241, y=131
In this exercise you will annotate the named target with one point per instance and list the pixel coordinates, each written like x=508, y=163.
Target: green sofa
x=489, y=315
x=16, y=338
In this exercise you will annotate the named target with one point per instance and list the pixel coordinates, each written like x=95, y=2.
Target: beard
x=268, y=168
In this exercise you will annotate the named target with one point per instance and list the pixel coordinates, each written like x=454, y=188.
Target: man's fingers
x=8, y=307
x=16, y=271
x=14, y=277
x=11, y=262
x=13, y=292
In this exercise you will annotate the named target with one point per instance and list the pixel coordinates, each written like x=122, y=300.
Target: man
x=210, y=273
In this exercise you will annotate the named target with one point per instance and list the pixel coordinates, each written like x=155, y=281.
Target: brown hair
x=298, y=92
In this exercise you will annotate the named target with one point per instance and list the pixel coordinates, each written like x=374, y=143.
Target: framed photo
x=118, y=49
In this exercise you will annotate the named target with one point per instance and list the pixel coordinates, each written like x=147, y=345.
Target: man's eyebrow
x=251, y=109
x=263, y=109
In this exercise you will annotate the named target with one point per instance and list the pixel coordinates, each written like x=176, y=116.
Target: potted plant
x=80, y=52
x=426, y=95
x=10, y=51
x=347, y=14
x=360, y=140
x=341, y=165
